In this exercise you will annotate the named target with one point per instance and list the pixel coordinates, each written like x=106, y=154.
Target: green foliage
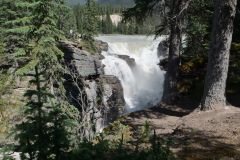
x=37, y=28
x=195, y=52
x=66, y=21
x=44, y=132
x=6, y=152
x=6, y=84
x=78, y=11
x=114, y=144
x=118, y=132
x=90, y=20
x=142, y=7
x=105, y=24
x=1, y=48
x=149, y=11
x=12, y=34
x=199, y=20
x=90, y=46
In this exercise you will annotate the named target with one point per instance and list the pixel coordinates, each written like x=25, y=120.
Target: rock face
x=112, y=97
x=85, y=64
x=87, y=88
x=103, y=45
x=130, y=61
x=163, y=48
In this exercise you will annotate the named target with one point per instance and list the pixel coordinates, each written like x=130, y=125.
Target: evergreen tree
x=44, y=120
x=90, y=22
x=175, y=41
x=43, y=133
x=42, y=34
x=78, y=11
x=109, y=24
x=66, y=21
x=13, y=35
x=198, y=27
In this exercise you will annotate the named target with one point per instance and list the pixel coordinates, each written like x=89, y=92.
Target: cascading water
x=142, y=81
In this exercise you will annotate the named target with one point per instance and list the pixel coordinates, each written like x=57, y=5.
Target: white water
x=142, y=83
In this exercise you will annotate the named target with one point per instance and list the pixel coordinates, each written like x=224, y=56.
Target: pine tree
x=78, y=11
x=11, y=18
x=1, y=46
x=175, y=41
x=90, y=22
x=66, y=21
x=42, y=34
x=44, y=120
x=109, y=24
x=43, y=133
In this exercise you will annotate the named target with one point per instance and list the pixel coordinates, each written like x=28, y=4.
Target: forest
x=106, y=24
x=116, y=80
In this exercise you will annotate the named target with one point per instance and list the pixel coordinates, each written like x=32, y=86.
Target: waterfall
x=142, y=79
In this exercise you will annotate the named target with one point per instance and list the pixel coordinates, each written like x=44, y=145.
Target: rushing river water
x=143, y=80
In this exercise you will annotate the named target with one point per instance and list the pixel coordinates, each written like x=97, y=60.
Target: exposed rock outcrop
x=130, y=61
x=85, y=64
x=102, y=45
x=112, y=97
x=88, y=89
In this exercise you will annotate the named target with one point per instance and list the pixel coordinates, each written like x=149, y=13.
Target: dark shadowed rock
x=163, y=48
x=163, y=64
x=130, y=61
x=113, y=97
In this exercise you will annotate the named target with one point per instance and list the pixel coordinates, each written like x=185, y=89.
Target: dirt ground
x=212, y=135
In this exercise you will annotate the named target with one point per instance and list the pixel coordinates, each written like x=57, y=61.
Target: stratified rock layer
x=103, y=94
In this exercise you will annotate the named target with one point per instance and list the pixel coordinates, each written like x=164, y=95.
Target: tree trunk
x=176, y=25
x=218, y=58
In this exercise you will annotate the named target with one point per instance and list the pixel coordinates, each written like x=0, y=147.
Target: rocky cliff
x=87, y=88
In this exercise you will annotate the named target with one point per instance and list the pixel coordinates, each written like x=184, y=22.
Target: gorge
x=124, y=77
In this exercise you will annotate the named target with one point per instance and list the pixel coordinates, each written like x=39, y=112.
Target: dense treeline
x=106, y=23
